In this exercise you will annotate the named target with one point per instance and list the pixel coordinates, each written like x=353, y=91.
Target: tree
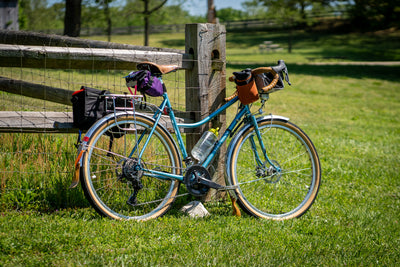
x=289, y=13
x=230, y=14
x=211, y=12
x=148, y=7
x=106, y=8
x=367, y=14
x=72, y=19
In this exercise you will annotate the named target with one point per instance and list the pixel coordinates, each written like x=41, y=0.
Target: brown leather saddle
x=155, y=68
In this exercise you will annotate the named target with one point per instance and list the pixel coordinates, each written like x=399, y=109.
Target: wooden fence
x=204, y=57
x=203, y=62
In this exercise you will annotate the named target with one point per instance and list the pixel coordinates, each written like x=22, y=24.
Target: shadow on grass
x=351, y=46
x=388, y=73
x=173, y=43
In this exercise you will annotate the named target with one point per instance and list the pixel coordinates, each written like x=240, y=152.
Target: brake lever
x=285, y=70
x=282, y=68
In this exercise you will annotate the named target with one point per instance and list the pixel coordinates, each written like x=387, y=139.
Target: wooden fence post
x=206, y=85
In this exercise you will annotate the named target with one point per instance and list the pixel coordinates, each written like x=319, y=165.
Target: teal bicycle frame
x=244, y=114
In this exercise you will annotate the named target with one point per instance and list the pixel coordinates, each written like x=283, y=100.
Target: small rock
x=195, y=209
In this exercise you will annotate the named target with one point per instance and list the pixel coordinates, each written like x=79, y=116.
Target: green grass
x=352, y=114
x=306, y=46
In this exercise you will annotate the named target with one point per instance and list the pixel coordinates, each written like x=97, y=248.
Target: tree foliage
x=146, y=8
x=36, y=15
x=375, y=13
x=230, y=14
x=46, y=15
x=364, y=14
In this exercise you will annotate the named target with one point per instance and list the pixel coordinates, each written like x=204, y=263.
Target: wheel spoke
x=265, y=192
x=111, y=178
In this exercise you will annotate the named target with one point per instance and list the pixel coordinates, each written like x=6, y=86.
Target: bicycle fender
x=107, y=117
x=83, y=146
x=236, y=137
x=76, y=176
x=78, y=163
x=81, y=150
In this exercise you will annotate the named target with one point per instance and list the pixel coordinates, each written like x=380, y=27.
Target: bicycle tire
x=104, y=167
x=275, y=195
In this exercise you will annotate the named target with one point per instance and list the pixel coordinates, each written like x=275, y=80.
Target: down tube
x=221, y=141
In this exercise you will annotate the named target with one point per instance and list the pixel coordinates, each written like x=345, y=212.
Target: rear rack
x=122, y=102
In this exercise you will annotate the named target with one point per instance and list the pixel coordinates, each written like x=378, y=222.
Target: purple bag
x=146, y=82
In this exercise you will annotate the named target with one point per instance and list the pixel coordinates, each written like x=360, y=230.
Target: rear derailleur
x=131, y=172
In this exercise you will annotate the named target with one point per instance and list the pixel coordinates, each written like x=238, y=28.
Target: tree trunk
x=146, y=23
x=146, y=30
x=146, y=14
x=108, y=18
x=72, y=20
x=211, y=13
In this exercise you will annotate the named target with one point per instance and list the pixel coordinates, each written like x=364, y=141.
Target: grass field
x=352, y=114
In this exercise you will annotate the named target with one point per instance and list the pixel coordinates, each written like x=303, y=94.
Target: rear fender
x=83, y=146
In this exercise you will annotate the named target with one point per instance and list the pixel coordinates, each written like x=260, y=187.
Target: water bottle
x=205, y=144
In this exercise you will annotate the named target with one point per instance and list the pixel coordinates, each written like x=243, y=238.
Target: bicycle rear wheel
x=262, y=190
x=116, y=182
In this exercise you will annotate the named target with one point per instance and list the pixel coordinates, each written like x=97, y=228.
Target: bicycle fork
x=263, y=149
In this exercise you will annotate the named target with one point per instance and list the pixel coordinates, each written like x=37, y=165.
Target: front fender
x=234, y=140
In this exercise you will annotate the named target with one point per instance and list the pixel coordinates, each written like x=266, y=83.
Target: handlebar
x=278, y=71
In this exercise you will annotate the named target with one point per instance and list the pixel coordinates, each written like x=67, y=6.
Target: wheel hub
x=131, y=172
x=271, y=174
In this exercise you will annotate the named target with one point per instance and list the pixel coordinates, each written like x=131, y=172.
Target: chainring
x=191, y=182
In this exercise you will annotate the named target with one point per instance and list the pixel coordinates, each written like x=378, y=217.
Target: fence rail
x=83, y=58
x=203, y=62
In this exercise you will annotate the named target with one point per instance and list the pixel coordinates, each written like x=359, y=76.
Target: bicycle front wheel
x=284, y=189
x=115, y=179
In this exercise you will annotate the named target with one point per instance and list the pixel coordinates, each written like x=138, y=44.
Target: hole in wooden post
x=215, y=54
x=217, y=64
x=191, y=51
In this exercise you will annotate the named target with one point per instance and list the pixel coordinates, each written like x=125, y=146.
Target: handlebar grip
x=267, y=70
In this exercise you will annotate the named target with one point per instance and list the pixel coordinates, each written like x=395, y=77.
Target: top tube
x=209, y=117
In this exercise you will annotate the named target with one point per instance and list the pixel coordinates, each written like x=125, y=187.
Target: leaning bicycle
x=130, y=166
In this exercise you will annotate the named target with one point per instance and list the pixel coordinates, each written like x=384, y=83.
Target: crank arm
x=214, y=185
x=209, y=183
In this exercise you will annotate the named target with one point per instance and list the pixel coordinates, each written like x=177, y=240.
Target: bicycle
x=131, y=167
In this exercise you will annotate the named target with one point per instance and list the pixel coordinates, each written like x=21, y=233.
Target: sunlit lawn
x=352, y=114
